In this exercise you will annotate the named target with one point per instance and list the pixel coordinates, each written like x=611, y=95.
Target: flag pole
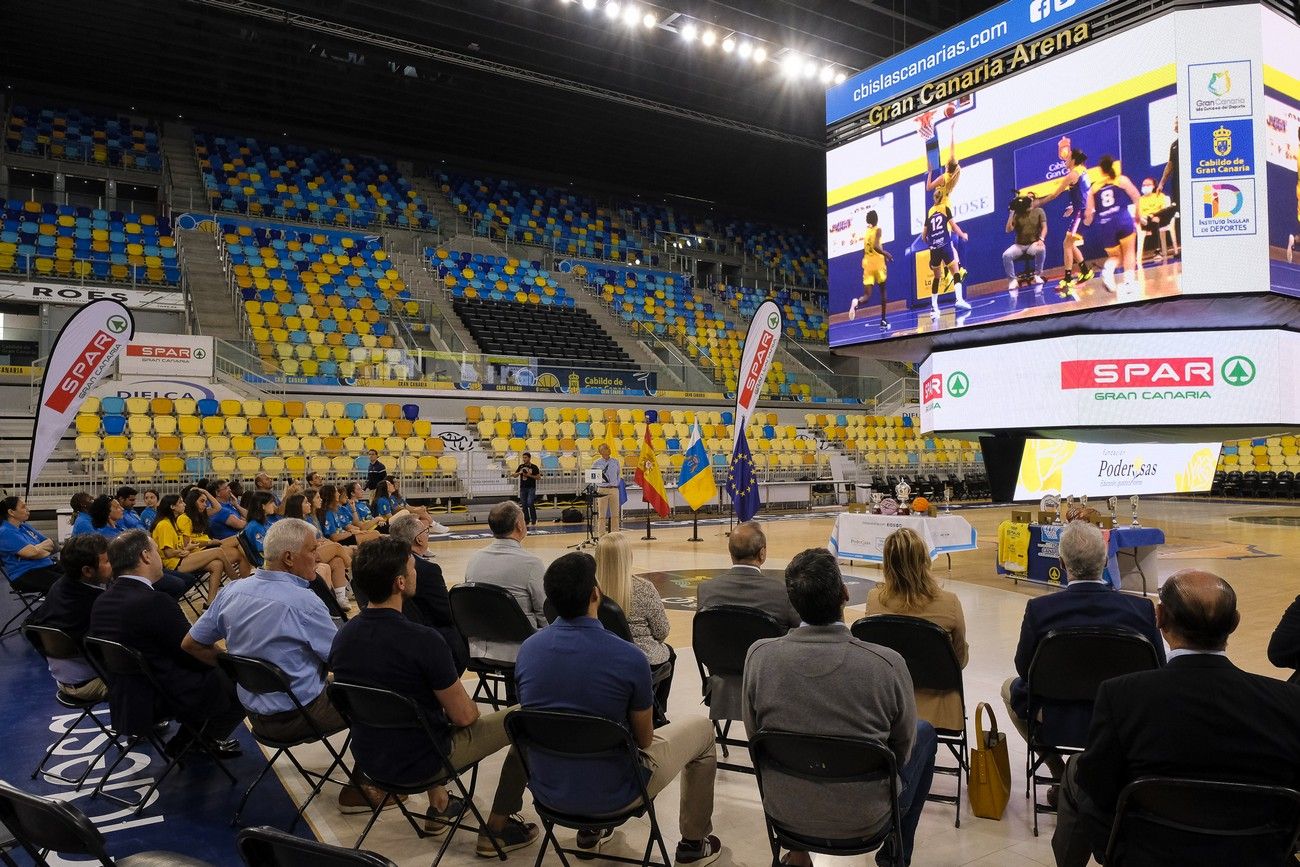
x=647, y=537
x=695, y=526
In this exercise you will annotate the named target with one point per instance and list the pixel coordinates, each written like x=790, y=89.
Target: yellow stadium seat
x=236, y=424
x=87, y=424
x=231, y=407
x=137, y=406
x=248, y=465
x=223, y=466
x=88, y=445
x=171, y=468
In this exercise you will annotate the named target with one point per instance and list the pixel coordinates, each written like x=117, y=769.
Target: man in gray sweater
x=818, y=679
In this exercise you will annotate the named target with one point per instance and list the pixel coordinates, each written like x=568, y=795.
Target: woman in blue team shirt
x=338, y=521
x=333, y=557
x=105, y=515
x=25, y=551
x=81, y=513
x=363, y=517
x=149, y=513
x=261, y=513
x=383, y=505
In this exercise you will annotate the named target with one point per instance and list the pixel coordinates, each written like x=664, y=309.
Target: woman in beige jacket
x=910, y=589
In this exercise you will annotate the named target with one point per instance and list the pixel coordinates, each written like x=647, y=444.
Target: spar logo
x=165, y=353
x=754, y=375
x=1238, y=370
x=933, y=388
x=84, y=365
x=1164, y=378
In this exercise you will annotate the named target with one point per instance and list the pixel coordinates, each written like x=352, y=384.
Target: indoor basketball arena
x=450, y=431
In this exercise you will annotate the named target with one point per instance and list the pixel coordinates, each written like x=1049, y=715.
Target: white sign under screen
x=1073, y=468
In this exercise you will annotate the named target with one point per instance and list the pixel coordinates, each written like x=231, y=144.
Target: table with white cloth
x=861, y=535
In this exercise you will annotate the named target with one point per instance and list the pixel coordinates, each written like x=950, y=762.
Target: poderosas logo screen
x=1126, y=469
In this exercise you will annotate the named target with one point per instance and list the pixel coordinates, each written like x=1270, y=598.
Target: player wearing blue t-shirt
x=1109, y=205
x=25, y=552
x=939, y=232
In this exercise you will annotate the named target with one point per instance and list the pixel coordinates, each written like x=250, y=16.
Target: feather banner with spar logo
x=760, y=348
x=85, y=350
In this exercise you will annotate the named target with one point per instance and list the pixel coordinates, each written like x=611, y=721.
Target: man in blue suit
x=1087, y=600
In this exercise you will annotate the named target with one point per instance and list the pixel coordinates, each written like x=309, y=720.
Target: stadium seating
x=318, y=304
x=789, y=254
x=553, y=334
x=146, y=439
x=892, y=442
x=294, y=182
x=73, y=134
x=48, y=240
x=560, y=220
x=1263, y=467
x=496, y=278
x=804, y=312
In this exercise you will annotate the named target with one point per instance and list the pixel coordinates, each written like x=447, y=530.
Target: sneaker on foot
x=853, y=309
x=884, y=325
x=1038, y=279
x=1013, y=284
x=1108, y=278
x=515, y=835
x=436, y=529
x=1086, y=274
x=589, y=841
x=362, y=799
x=438, y=822
x=962, y=304
x=700, y=852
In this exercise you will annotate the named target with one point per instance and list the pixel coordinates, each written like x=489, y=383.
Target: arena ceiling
x=542, y=86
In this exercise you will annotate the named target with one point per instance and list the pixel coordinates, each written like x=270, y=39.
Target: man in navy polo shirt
x=555, y=671
x=381, y=648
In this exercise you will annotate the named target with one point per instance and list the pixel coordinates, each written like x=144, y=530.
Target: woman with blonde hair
x=641, y=605
x=909, y=589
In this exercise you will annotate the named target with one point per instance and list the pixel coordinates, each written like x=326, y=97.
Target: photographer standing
x=1029, y=223
x=528, y=473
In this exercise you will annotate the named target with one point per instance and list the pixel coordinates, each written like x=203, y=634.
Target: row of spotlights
x=795, y=66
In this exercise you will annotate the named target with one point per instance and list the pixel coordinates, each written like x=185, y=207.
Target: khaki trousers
x=92, y=690
x=607, y=506
x=1052, y=760
x=687, y=749
x=482, y=738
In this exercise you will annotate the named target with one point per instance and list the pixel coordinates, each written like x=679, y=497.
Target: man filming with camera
x=1029, y=224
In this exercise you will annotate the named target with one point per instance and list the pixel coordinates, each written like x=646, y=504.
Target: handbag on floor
x=989, y=786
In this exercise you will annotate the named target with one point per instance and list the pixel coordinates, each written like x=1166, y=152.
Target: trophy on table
x=901, y=491
x=1113, y=504
x=875, y=497
x=1049, y=507
x=947, y=499
x=1069, y=507
x=1133, y=501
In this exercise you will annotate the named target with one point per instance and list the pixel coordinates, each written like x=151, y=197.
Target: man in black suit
x=1087, y=600
x=86, y=572
x=1199, y=717
x=430, y=605
x=1284, y=646
x=745, y=583
x=132, y=613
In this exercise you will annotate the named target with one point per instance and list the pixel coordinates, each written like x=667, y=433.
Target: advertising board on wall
x=36, y=292
x=1065, y=467
x=188, y=355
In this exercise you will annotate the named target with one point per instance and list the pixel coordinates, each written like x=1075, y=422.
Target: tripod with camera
x=588, y=495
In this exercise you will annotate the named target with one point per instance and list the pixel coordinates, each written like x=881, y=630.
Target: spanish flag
x=695, y=481
x=650, y=479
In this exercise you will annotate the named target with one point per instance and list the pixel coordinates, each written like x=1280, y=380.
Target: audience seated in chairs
x=818, y=679
x=1284, y=645
x=909, y=588
x=131, y=613
x=1198, y=717
x=642, y=606
x=190, y=555
x=333, y=559
x=1088, y=600
x=26, y=553
x=274, y=617
x=429, y=606
x=745, y=584
x=382, y=648
x=67, y=606
x=505, y=563
x=576, y=665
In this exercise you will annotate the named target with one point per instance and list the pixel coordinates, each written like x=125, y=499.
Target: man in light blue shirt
x=608, y=505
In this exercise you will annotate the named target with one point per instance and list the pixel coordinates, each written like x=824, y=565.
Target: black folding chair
x=826, y=760
x=1070, y=665
x=52, y=643
x=113, y=660
x=43, y=825
x=28, y=601
x=487, y=612
x=1166, y=820
x=721, y=637
x=263, y=678
x=581, y=739
x=267, y=847
x=383, y=709
x=932, y=663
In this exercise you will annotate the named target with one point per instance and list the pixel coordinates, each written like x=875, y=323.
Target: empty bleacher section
x=792, y=255
x=294, y=182
x=496, y=278
x=141, y=440
x=73, y=134
x=1261, y=467
x=552, y=334
x=893, y=442
x=804, y=312
x=318, y=302
x=49, y=240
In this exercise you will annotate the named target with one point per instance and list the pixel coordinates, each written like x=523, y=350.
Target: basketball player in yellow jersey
x=874, y=258
x=1290, y=239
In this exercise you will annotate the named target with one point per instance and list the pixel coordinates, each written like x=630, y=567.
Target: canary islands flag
x=650, y=479
x=695, y=481
x=741, y=484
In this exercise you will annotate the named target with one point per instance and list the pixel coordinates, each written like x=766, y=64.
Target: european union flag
x=741, y=484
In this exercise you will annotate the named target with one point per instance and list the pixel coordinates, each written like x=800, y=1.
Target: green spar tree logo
x=1238, y=370
x=200, y=353
x=773, y=320
x=116, y=324
x=958, y=384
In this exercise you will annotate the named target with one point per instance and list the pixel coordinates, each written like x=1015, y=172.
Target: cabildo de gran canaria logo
x=1220, y=83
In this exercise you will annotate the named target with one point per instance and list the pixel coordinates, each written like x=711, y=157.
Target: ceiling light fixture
x=745, y=50
x=631, y=15
x=760, y=54
x=709, y=38
x=649, y=20
x=840, y=78
x=689, y=31
x=612, y=10
x=588, y=4
x=827, y=74
x=729, y=44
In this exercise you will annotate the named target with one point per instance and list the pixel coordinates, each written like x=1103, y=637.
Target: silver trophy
x=1051, y=504
x=1069, y=506
x=1133, y=501
x=1113, y=504
x=947, y=499
x=1083, y=503
x=876, y=497
x=901, y=491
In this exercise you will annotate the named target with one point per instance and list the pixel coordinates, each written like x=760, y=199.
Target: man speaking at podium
x=607, y=495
